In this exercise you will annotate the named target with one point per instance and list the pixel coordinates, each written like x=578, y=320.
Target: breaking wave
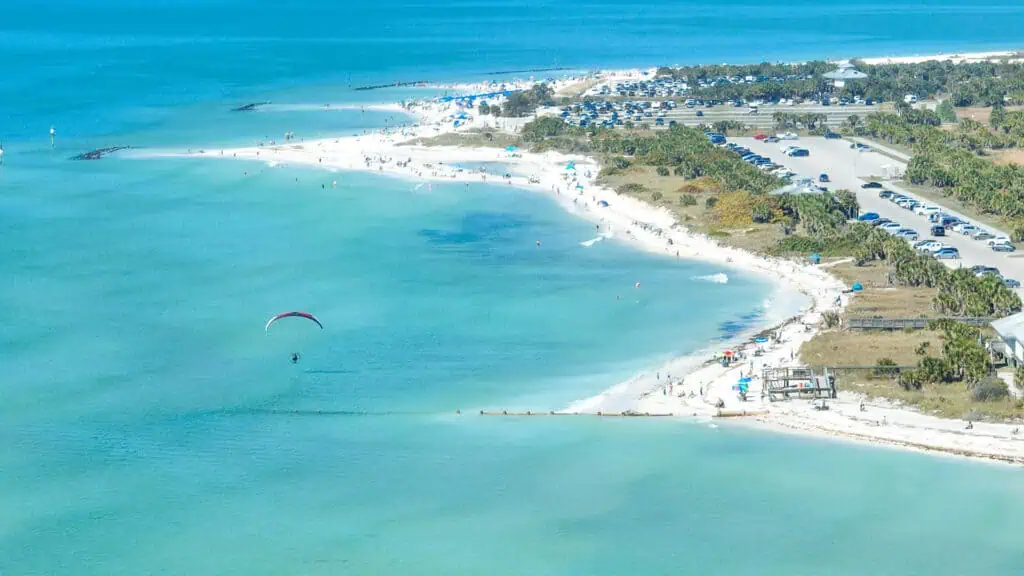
x=719, y=278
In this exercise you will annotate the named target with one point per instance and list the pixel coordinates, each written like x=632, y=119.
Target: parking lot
x=762, y=120
x=849, y=169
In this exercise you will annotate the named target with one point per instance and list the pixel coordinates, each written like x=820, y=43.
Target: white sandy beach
x=691, y=386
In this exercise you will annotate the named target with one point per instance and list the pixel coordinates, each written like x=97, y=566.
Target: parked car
x=1011, y=283
x=829, y=135
x=771, y=139
x=891, y=227
x=1004, y=248
x=859, y=147
x=879, y=222
x=908, y=233
x=789, y=136
x=938, y=231
x=871, y=185
x=823, y=178
x=982, y=270
x=760, y=136
x=999, y=240
x=868, y=216
x=885, y=194
x=926, y=245
x=947, y=254
x=968, y=229
x=982, y=235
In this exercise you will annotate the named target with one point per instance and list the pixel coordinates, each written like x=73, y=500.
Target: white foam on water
x=720, y=278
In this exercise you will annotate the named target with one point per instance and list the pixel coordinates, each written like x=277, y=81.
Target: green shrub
x=663, y=171
x=710, y=202
x=885, y=368
x=656, y=196
x=831, y=319
x=910, y=380
x=688, y=200
x=988, y=389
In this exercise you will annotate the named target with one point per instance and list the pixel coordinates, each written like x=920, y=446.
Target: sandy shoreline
x=688, y=386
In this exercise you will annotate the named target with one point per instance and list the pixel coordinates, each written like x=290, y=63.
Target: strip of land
x=449, y=134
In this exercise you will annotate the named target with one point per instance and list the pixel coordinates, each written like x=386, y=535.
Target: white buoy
x=53, y=134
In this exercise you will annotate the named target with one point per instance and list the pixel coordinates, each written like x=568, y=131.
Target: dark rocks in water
x=249, y=107
x=99, y=153
x=393, y=85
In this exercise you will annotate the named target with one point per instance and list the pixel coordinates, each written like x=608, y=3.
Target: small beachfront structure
x=1011, y=338
x=844, y=72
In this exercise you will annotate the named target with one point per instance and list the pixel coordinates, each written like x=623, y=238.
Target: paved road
x=848, y=169
x=891, y=152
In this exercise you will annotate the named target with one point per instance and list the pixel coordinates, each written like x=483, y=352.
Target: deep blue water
x=141, y=424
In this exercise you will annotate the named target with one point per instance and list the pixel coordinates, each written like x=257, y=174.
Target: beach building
x=844, y=73
x=1011, y=338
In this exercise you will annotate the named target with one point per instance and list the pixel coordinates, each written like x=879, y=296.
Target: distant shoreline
x=697, y=388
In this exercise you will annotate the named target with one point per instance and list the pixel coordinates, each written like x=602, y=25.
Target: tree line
x=966, y=84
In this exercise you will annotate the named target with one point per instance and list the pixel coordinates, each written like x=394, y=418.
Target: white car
x=968, y=229
x=960, y=226
x=999, y=240
x=925, y=210
x=927, y=245
x=788, y=136
x=890, y=227
x=937, y=247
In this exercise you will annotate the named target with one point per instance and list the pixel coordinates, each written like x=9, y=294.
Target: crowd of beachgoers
x=700, y=386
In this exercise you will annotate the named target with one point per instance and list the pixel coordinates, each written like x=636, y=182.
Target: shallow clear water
x=140, y=404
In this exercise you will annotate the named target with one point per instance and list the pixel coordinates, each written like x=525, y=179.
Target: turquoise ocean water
x=139, y=397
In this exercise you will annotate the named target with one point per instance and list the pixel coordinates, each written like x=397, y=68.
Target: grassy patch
x=472, y=138
x=865, y=347
x=687, y=199
x=942, y=400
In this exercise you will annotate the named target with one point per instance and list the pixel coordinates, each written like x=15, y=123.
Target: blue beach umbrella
x=510, y=149
x=602, y=204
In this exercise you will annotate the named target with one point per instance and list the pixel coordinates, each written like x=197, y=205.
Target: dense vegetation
x=521, y=104
x=967, y=84
x=960, y=292
x=687, y=153
x=964, y=359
